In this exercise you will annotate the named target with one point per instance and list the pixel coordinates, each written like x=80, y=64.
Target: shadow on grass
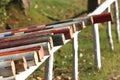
x=80, y=14
x=53, y=19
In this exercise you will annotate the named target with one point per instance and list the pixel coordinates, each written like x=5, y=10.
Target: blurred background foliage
x=3, y=13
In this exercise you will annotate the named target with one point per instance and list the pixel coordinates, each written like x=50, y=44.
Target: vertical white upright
x=110, y=40
x=117, y=23
x=97, y=47
x=49, y=67
x=75, y=56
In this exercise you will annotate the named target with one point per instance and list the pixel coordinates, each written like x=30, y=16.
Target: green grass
x=45, y=11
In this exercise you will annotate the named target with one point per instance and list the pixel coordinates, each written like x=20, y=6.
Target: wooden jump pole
x=58, y=39
x=28, y=41
x=25, y=50
x=67, y=31
x=45, y=45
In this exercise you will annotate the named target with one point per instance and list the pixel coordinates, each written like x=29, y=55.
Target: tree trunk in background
x=24, y=4
x=92, y=5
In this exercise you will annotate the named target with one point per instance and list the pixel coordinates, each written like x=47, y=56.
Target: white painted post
x=75, y=56
x=97, y=47
x=49, y=67
x=109, y=32
x=117, y=23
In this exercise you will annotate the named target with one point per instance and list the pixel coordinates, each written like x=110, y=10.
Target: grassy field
x=46, y=11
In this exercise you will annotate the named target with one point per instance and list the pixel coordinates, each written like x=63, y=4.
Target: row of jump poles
x=25, y=47
x=31, y=46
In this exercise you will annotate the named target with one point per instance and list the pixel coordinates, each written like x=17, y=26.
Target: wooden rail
x=28, y=45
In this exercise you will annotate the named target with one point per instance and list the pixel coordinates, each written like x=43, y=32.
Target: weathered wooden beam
x=28, y=49
x=24, y=36
x=45, y=45
x=67, y=31
x=58, y=39
x=92, y=20
x=31, y=58
x=21, y=42
x=7, y=68
x=29, y=29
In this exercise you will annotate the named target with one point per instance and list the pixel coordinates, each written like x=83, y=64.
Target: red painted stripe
x=102, y=18
x=20, y=51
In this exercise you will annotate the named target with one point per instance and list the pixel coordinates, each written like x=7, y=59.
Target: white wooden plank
x=75, y=56
x=109, y=33
x=49, y=67
x=97, y=46
x=117, y=22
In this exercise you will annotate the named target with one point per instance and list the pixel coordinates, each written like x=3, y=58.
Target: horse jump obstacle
x=99, y=10
x=50, y=57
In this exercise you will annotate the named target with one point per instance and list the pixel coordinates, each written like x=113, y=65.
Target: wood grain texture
x=58, y=39
x=32, y=58
x=23, y=50
x=23, y=58
x=28, y=29
x=30, y=54
x=41, y=54
x=46, y=47
x=21, y=42
x=67, y=31
x=20, y=64
x=24, y=36
x=7, y=68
